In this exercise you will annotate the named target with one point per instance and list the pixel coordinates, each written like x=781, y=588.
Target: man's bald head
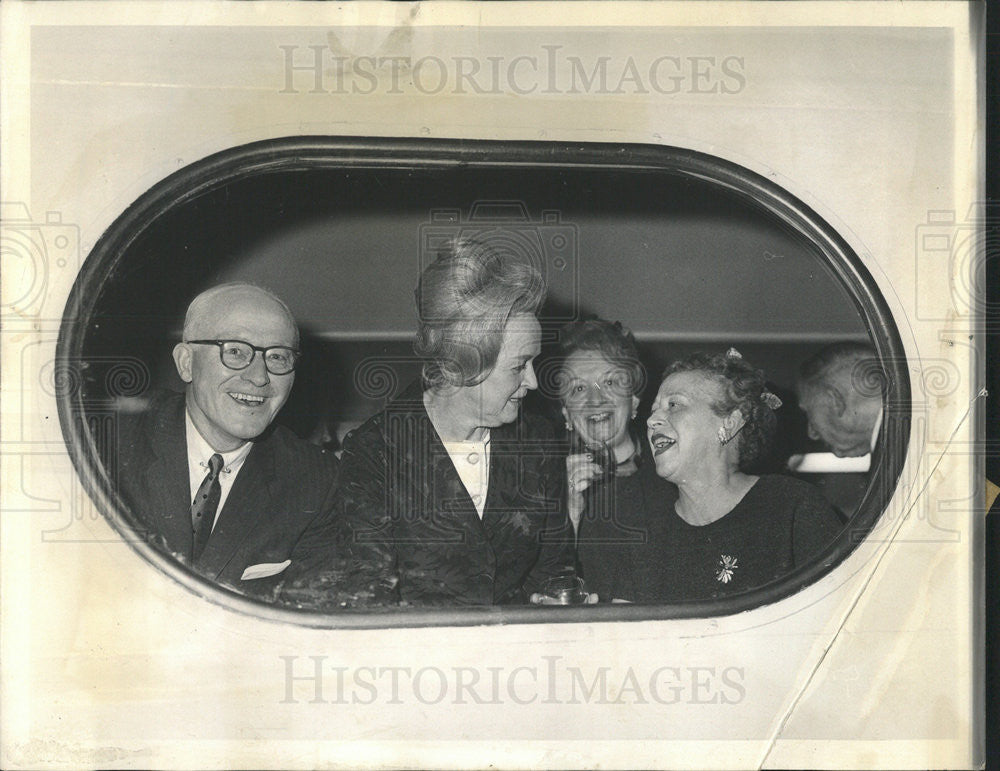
x=840, y=389
x=207, y=309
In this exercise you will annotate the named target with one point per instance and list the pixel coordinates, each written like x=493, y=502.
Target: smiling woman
x=688, y=250
x=725, y=530
x=446, y=496
x=600, y=379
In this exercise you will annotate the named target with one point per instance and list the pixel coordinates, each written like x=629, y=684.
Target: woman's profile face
x=683, y=429
x=597, y=397
x=497, y=399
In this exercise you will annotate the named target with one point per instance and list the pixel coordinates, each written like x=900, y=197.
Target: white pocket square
x=264, y=570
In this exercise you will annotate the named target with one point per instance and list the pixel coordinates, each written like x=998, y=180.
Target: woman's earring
x=723, y=436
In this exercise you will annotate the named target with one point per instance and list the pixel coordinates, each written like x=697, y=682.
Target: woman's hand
x=580, y=472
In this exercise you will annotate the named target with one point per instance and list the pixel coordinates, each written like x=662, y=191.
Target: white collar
x=201, y=451
x=464, y=445
x=878, y=427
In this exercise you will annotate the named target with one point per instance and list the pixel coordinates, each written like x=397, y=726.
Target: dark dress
x=780, y=524
x=621, y=544
x=413, y=530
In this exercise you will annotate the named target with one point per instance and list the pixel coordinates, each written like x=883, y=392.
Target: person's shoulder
x=531, y=429
x=152, y=404
x=799, y=498
x=369, y=442
x=283, y=440
x=788, y=487
x=407, y=406
x=812, y=520
x=537, y=425
x=291, y=451
x=374, y=430
x=150, y=413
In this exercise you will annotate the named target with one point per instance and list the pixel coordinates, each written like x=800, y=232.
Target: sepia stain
x=45, y=752
x=397, y=43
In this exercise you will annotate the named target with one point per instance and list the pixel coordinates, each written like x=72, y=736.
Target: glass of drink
x=602, y=453
x=565, y=589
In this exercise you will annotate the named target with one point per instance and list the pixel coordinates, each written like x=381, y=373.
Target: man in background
x=840, y=389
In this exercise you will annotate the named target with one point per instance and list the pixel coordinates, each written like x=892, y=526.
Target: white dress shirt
x=199, y=452
x=472, y=462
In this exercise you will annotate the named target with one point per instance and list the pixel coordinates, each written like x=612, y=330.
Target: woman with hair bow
x=727, y=531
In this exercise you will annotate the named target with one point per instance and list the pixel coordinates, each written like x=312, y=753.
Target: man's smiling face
x=230, y=407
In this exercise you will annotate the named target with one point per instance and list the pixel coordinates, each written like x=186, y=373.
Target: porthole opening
x=689, y=251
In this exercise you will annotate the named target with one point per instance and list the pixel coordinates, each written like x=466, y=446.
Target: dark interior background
x=687, y=264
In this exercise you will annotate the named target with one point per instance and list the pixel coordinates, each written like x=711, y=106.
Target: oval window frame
x=305, y=153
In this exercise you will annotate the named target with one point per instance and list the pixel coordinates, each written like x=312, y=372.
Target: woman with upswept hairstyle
x=451, y=495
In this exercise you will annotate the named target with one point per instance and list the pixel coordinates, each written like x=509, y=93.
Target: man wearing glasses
x=205, y=471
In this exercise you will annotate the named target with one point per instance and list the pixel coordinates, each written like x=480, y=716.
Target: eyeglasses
x=237, y=354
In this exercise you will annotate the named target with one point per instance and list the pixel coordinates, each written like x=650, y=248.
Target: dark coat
x=414, y=532
x=284, y=485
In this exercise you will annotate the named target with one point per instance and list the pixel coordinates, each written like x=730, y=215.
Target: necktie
x=206, y=501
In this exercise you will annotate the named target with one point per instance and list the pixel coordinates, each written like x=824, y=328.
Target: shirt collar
x=200, y=450
x=628, y=467
x=878, y=426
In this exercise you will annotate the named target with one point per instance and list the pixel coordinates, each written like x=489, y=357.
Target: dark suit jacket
x=413, y=530
x=284, y=485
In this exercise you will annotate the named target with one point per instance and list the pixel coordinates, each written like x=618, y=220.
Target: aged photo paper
x=866, y=114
